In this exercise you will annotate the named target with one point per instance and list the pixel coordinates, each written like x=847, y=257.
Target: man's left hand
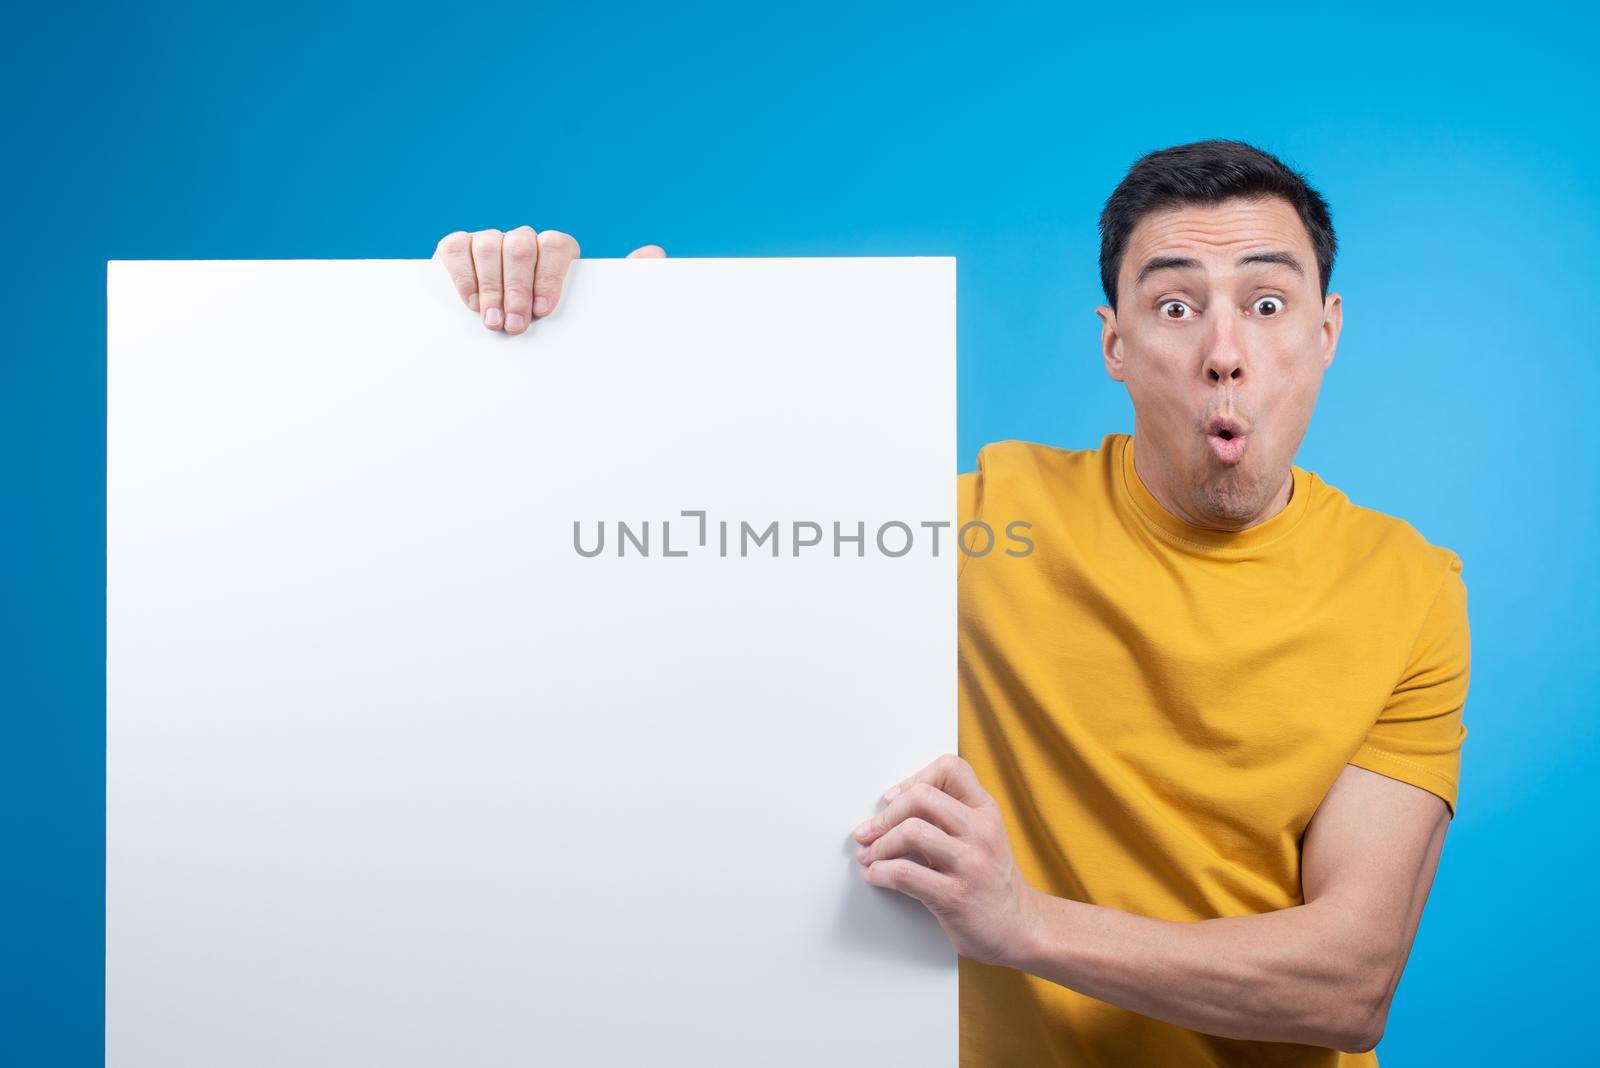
x=970, y=881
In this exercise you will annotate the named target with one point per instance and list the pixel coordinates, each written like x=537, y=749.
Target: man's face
x=1221, y=335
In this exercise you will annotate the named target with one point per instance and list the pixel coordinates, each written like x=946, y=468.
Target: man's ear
x=1110, y=341
x=1332, y=324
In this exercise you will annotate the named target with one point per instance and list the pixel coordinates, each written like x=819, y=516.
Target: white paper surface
x=396, y=777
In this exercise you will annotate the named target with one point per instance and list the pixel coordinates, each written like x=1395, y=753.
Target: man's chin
x=1231, y=495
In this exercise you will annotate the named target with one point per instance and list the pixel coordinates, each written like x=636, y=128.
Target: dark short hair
x=1208, y=172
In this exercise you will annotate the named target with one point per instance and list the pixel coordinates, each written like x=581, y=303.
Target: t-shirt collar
x=1202, y=538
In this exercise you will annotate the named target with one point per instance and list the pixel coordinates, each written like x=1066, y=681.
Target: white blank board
x=396, y=777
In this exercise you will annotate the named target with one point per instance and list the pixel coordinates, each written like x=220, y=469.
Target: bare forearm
x=1296, y=975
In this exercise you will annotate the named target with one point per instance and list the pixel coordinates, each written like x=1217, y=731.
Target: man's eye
x=1268, y=306
x=1176, y=309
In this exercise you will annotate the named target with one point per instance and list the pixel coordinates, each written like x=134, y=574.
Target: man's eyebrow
x=1282, y=259
x=1165, y=263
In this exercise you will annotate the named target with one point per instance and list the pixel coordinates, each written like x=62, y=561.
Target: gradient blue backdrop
x=1458, y=152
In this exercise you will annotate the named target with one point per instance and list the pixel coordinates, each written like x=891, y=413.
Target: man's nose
x=1224, y=359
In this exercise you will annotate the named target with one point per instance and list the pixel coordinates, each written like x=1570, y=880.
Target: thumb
x=648, y=252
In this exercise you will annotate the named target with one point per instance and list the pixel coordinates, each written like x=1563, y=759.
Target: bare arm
x=1322, y=973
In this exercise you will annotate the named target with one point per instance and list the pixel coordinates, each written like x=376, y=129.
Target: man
x=1211, y=727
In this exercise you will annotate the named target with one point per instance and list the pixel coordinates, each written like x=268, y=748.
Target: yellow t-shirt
x=1159, y=709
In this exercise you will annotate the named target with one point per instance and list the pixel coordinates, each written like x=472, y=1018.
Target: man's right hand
x=511, y=279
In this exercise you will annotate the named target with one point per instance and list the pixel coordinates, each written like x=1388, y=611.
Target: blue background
x=1458, y=153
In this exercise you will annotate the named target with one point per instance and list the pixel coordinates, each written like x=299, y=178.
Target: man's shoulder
x=1373, y=534
x=1026, y=478
x=1032, y=461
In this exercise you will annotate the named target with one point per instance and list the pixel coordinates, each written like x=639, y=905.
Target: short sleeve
x=1418, y=737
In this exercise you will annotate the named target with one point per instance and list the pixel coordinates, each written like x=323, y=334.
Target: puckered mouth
x=1226, y=427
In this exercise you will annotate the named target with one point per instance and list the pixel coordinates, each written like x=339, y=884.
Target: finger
x=455, y=252
x=519, y=254
x=917, y=837
x=486, y=249
x=924, y=801
x=648, y=252
x=556, y=253
x=952, y=775
x=910, y=878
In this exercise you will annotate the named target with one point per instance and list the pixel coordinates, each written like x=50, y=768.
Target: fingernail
x=894, y=792
x=472, y=302
x=515, y=322
x=861, y=854
x=492, y=318
x=863, y=828
x=541, y=305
